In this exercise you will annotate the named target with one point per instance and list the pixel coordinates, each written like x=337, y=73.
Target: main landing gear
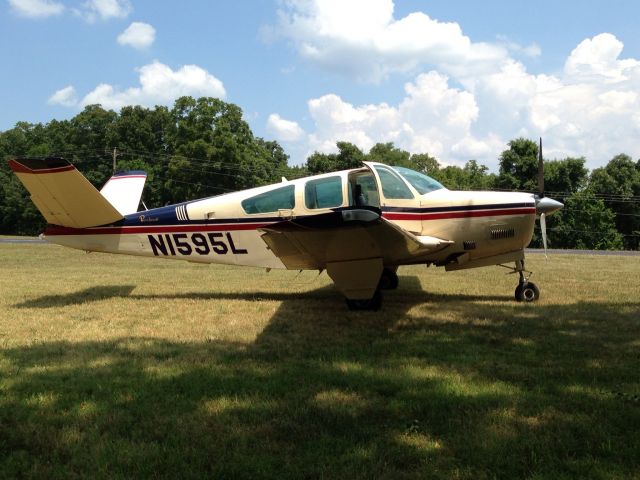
x=373, y=303
x=388, y=281
x=526, y=291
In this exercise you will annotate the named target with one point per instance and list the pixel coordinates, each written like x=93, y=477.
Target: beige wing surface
x=345, y=235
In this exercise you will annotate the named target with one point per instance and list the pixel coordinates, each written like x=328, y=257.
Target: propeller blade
x=540, y=171
x=543, y=229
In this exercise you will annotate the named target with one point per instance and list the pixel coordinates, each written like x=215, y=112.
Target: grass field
x=118, y=367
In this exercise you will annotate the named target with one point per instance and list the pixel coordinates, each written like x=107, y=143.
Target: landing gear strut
x=388, y=280
x=373, y=303
x=526, y=291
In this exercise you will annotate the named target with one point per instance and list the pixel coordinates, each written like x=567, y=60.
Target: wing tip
x=40, y=165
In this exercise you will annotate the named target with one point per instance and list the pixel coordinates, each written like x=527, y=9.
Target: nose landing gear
x=526, y=291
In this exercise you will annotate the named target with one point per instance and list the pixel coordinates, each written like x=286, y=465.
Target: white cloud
x=590, y=110
x=91, y=10
x=159, y=85
x=284, y=130
x=533, y=50
x=66, y=97
x=433, y=117
x=361, y=38
x=138, y=35
x=36, y=8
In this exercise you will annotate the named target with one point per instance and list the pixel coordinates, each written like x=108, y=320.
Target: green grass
x=119, y=367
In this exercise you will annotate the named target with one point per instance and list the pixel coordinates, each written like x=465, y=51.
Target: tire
x=527, y=292
x=374, y=303
x=388, y=280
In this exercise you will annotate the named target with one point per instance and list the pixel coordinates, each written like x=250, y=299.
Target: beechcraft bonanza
x=359, y=225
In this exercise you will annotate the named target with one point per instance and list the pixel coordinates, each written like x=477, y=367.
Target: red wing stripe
x=17, y=167
x=127, y=176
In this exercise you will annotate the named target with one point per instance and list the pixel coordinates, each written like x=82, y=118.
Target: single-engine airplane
x=359, y=225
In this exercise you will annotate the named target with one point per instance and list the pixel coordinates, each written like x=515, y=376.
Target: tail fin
x=62, y=194
x=124, y=190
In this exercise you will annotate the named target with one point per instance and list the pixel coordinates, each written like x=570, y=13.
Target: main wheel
x=527, y=292
x=388, y=280
x=372, y=303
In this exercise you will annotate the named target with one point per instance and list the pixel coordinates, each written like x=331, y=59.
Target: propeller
x=540, y=171
x=544, y=205
x=543, y=228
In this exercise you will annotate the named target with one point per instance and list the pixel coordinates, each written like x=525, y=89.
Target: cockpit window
x=393, y=186
x=421, y=182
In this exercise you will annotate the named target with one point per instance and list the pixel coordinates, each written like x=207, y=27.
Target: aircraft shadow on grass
x=446, y=383
x=411, y=294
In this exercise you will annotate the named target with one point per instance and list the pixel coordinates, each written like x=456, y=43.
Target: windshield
x=421, y=182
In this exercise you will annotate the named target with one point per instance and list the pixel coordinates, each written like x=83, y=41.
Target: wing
x=345, y=235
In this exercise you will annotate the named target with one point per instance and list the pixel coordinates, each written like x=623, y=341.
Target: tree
x=618, y=184
x=348, y=156
x=584, y=223
x=564, y=177
x=519, y=166
x=389, y=154
x=425, y=163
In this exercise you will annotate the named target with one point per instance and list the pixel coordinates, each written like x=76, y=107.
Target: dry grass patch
x=120, y=367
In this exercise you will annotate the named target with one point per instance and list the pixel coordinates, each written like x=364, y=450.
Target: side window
x=366, y=191
x=393, y=186
x=278, y=199
x=323, y=193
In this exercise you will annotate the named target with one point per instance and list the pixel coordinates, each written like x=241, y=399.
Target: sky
x=457, y=80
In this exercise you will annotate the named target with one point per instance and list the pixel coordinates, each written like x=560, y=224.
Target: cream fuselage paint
x=218, y=230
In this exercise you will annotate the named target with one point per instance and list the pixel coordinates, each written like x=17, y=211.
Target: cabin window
x=279, y=199
x=323, y=193
x=393, y=186
x=363, y=190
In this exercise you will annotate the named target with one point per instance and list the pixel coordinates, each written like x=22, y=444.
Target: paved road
x=554, y=251
x=21, y=240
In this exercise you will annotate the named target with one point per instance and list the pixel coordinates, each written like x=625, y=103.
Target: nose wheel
x=526, y=291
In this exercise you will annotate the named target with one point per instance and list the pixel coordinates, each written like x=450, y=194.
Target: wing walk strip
x=233, y=224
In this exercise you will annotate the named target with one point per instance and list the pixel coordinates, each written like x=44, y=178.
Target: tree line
x=203, y=147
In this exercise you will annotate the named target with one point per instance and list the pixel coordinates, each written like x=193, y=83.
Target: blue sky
x=454, y=79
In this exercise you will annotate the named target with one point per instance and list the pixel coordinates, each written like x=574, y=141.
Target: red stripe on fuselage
x=461, y=214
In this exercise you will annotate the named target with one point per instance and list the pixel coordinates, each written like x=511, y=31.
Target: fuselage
x=226, y=228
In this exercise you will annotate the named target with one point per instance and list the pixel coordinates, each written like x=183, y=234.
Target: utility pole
x=115, y=154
